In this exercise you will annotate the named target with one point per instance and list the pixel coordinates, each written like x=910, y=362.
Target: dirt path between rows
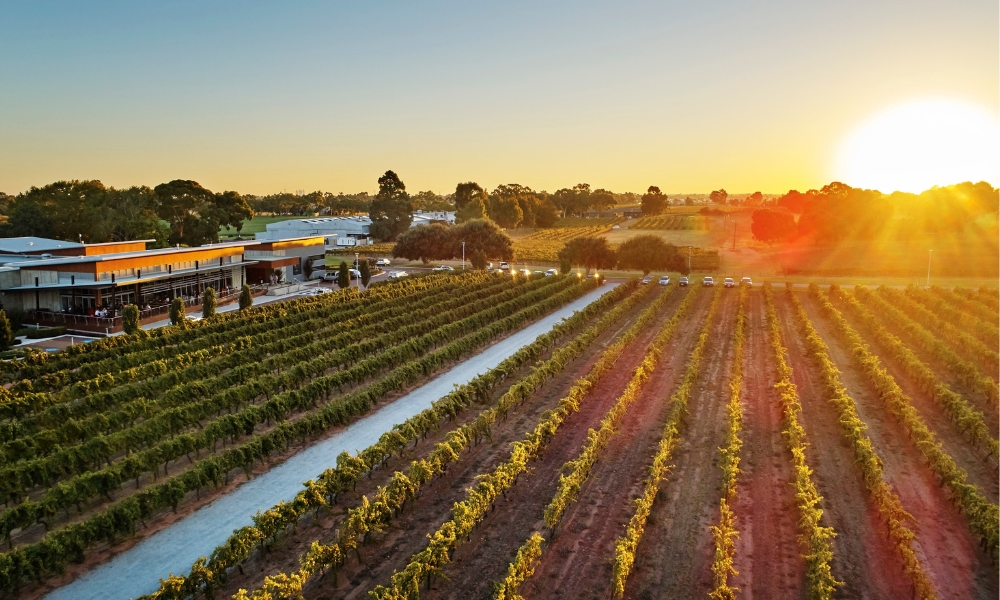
x=863, y=558
x=768, y=556
x=952, y=558
x=975, y=398
x=406, y=534
x=478, y=564
x=976, y=461
x=137, y=570
x=577, y=562
x=434, y=504
x=674, y=557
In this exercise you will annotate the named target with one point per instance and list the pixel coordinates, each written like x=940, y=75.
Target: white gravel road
x=173, y=550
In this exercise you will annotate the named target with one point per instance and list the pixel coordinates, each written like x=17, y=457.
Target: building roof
x=20, y=245
x=124, y=255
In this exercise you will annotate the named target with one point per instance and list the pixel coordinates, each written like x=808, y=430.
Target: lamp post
x=463, y=256
x=929, y=253
x=357, y=267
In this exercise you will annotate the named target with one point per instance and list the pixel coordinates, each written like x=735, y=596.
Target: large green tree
x=425, y=243
x=485, y=236
x=589, y=252
x=575, y=201
x=654, y=202
x=196, y=213
x=391, y=211
x=770, y=226
x=468, y=192
x=645, y=253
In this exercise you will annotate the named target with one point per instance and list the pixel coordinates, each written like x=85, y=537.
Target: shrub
x=176, y=311
x=208, y=304
x=130, y=319
x=246, y=297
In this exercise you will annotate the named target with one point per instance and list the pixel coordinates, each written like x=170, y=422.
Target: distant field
x=671, y=222
x=578, y=222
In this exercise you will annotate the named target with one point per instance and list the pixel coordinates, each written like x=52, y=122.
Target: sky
x=264, y=97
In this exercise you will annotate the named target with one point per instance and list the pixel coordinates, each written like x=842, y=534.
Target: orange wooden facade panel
x=290, y=244
x=205, y=256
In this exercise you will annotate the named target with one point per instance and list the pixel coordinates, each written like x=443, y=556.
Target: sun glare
x=913, y=146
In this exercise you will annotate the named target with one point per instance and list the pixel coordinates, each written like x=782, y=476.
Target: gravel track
x=138, y=570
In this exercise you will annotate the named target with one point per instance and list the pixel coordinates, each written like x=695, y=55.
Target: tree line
x=177, y=212
x=838, y=211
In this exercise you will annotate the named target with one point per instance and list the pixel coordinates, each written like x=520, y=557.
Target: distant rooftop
x=20, y=245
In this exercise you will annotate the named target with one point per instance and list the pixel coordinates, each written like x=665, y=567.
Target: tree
x=425, y=243
x=429, y=201
x=505, y=211
x=468, y=192
x=232, y=209
x=366, y=272
x=574, y=201
x=770, y=226
x=473, y=209
x=565, y=266
x=589, y=252
x=391, y=211
x=688, y=201
x=189, y=209
x=6, y=332
x=246, y=297
x=208, y=303
x=718, y=196
x=176, y=311
x=755, y=199
x=130, y=319
x=645, y=253
x=343, y=276
x=546, y=213
x=484, y=235
x=601, y=199
x=478, y=260
x=654, y=202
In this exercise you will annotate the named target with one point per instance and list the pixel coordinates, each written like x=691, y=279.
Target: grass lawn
x=256, y=225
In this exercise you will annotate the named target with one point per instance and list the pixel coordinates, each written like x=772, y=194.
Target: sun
x=919, y=144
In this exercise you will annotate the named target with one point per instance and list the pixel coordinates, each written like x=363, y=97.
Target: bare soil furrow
x=952, y=558
x=674, y=557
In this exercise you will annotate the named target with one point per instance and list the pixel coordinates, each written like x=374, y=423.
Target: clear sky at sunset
x=262, y=97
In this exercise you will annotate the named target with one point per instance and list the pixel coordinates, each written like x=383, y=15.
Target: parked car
x=443, y=268
x=504, y=266
x=665, y=280
x=683, y=281
x=551, y=273
x=525, y=272
x=646, y=279
x=382, y=262
x=354, y=273
x=330, y=276
x=596, y=276
x=707, y=281
x=728, y=282
x=397, y=274
x=747, y=281
x=537, y=273
x=616, y=227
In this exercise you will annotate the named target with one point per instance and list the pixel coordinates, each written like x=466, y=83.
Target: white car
x=728, y=282
x=504, y=266
x=707, y=282
x=397, y=274
x=443, y=268
x=551, y=273
x=525, y=272
x=747, y=281
x=382, y=262
x=616, y=227
x=665, y=280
